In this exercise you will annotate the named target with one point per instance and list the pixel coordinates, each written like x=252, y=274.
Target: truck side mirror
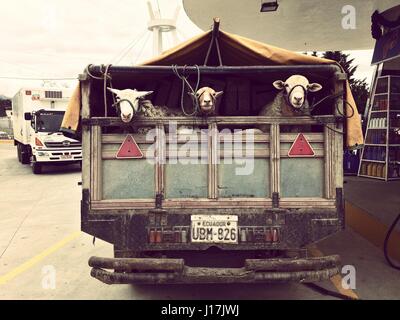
x=27, y=116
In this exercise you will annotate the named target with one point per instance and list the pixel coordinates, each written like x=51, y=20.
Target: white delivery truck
x=37, y=114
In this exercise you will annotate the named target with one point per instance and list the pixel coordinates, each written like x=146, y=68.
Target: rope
x=193, y=91
x=105, y=89
x=344, y=116
x=105, y=77
x=90, y=74
x=287, y=96
x=327, y=292
x=116, y=104
x=386, y=244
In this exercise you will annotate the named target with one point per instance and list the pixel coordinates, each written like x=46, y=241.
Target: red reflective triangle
x=129, y=149
x=301, y=147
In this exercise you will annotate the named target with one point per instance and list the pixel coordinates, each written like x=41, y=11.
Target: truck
x=200, y=220
x=36, y=115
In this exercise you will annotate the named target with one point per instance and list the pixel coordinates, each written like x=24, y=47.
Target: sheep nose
x=206, y=101
x=298, y=99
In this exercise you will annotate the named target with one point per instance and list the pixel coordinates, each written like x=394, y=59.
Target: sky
x=59, y=38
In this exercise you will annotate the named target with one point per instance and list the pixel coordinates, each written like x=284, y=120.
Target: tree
x=359, y=87
x=360, y=91
x=344, y=61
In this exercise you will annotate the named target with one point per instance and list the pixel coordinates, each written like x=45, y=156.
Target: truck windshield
x=49, y=121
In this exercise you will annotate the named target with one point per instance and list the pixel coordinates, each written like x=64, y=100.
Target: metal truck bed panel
x=231, y=185
x=304, y=192
x=124, y=179
x=302, y=177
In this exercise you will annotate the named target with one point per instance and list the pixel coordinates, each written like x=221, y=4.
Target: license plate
x=66, y=156
x=214, y=228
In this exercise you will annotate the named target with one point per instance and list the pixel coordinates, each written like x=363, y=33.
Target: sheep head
x=130, y=104
x=207, y=99
x=296, y=88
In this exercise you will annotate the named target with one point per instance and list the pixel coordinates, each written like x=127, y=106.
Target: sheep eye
x=286, y=85
x=197, y=95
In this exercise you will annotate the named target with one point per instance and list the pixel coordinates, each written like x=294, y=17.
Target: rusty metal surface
x=173, y=271
x=249, y=120
x=324, y=70
x=138, y=264
x=308, y=264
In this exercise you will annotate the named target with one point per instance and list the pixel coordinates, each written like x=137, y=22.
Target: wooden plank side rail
x=228, y=120
x=285, y=203
x=273, y=145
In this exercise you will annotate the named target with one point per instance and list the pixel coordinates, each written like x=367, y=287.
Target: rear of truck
x=222, y=204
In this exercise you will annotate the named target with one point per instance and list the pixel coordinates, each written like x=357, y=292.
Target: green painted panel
x=128, y=179
x=186, y=180
x=255, y=184
x=302, y=177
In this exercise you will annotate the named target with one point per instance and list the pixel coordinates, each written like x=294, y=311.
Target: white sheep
x=207, y=100
x=148, y=110
x=129, y=101
x=132, y=102
x=292, y=98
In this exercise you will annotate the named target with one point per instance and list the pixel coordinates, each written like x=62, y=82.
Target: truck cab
x=37, y=116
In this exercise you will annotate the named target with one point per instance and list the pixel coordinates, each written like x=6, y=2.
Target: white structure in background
x=159, y=25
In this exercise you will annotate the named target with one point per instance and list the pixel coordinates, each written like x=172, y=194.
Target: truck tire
x=19, y=152
x=36, y=168
x=25, y=154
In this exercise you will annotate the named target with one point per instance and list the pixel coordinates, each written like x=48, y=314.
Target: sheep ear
x=279, y=84
x=314, y=87
x=144, y=93
x=115, y=91
x=192, y=94
x=218, y=93
x=139, y=95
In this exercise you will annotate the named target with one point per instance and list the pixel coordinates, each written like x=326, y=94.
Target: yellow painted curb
x=372, y=229
x=336, y=279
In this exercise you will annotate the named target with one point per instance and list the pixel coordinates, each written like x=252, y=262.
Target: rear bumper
x=171, y=271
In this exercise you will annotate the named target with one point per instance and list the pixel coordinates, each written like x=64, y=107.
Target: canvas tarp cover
x=236, y=51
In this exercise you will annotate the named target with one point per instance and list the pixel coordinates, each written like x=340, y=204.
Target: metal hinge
x=275, y=199
x=158, y=201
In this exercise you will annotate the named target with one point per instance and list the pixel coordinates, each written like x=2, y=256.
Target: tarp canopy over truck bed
x=234, y=51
